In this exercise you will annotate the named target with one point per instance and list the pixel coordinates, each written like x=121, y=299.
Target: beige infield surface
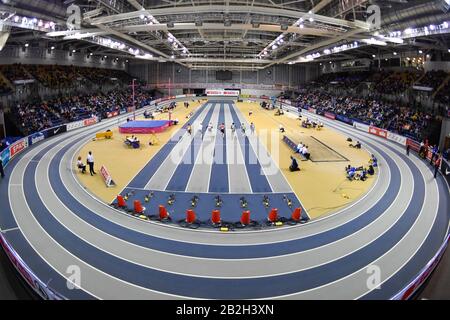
x=320, y=185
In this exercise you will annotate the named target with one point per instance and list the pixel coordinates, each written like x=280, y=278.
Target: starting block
x=104, y=135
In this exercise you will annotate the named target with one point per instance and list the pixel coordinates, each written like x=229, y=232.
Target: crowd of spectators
x=96, y=75
x=432, y=79
x=15, y=72
x=343, y=79
x=390, y=82
x=386, y=115
x=61, y=76
x=39, y=115
x=443, y=95
x=54, y=76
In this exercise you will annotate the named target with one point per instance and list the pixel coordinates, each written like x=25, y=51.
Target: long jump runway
x=206, y=163
x=55, y=226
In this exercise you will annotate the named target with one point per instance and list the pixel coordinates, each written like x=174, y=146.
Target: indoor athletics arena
x=229, y=150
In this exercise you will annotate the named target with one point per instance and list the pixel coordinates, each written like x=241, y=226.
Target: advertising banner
x=107, y=177
x=54, y=131
x=409, y=291
x=5, y=156
x=38, y=286
x=344, y=119
x=361, y=126
x=112, y=114
x=397, y=138
x=312, y=110
x=414, y=145
x=220, y=92
x=17, y=147
x=378, y=132
x=35, y=138
x=330, y=115
x=445, y=169
x=90, y=121
x=74, y=125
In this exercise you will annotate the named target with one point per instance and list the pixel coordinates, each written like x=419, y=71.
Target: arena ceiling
x=231, y=34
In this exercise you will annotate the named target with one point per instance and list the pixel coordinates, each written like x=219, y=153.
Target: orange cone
x=190, y=216
x=273, y=215
x=121, y=202
x=296, y=214
x=138, y=208
x=215, y=217
x=245, y=217
x=163, y=212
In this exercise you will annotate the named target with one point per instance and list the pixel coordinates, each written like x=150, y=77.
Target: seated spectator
x=351, y=171
x=357, y=145
x=81, y=165
x=305, y=152
x=294, y=165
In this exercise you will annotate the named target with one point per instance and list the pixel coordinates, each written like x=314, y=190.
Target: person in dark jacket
x=2, y=172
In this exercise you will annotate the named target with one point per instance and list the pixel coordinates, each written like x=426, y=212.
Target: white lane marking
x=235, y=157
x=8, y=230
x=386, y=253
x=167, y=168
x=205, y=154
x=81, y=262
x=327, y=244
x=243, y=232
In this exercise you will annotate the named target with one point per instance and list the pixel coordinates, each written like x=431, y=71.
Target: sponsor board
x=378, y=132
x=330, y=115
x=361, y=126
x=5, y=156
x=54, y=131
x=90, y=121
x=414, y=145
x=35, y=138
x=409, y=291
x=344, y=119
x=312, y=110
x=37, y=285
x=112, y=114
x=107, y=177
x=219, y=92
x=75, y=125
x=396, y=138
x=17, y=147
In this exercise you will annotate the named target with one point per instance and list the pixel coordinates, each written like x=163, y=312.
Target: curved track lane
x=54, y=223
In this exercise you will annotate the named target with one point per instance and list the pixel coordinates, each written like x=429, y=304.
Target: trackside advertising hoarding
x=48, y=133
x=221, y=92
x=5, y=156
x=43, y=290
x=34, y=282
x=17, y=147
x=46, y=292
